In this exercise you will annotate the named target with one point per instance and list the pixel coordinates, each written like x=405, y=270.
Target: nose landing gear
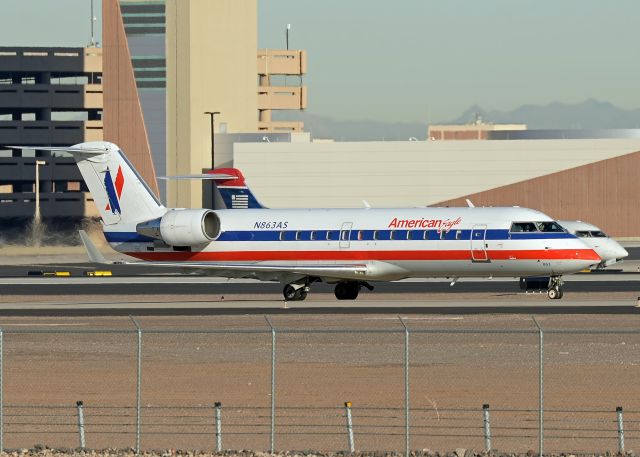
x=555, y=291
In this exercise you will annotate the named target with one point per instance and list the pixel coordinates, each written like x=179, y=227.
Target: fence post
x=218, y=406
x=541, y=386
x=273, y=385
x=138, y=384
x=487, y=427
x=406, y=387
x=620, y=429
x=79, y=404
x=352, y=448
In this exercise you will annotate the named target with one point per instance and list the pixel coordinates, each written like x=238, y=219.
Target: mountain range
x=589, y=114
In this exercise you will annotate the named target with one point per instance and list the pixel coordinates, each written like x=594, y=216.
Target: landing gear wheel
x=555, y=291
x=291, y=293
x=347, y=290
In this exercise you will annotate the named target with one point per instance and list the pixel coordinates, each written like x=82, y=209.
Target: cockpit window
x=583, y=234
x=523, y=227
x=598, y=234
x=549, y=227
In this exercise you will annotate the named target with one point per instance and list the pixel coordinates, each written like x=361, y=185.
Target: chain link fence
x=398, y=387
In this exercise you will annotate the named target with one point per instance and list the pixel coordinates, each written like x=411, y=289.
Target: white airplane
x=345, y=247
x=609, y=250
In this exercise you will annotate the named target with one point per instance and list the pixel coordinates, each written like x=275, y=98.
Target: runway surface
x=142, y=291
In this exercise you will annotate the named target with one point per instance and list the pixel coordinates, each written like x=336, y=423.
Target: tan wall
x=211, y=66
x=604, y=193
x=282, y=62
x=93, y=59
x=93, y=96
x=419, y=173
x=123, y=120
x=93, y=131
x=281, y=97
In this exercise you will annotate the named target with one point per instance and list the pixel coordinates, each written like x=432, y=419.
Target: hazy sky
x=418, y=60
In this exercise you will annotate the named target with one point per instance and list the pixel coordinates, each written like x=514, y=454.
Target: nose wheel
x=555, y=291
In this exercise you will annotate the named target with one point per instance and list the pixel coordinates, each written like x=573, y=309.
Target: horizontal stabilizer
x=69, y=149
x=214, y=176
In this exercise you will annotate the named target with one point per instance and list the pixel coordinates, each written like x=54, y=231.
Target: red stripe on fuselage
x=223, y=256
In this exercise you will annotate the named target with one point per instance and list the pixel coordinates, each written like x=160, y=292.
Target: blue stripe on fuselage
x=355, y=235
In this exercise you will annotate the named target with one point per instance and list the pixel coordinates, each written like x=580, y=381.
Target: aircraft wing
x=268, y=271
x=256, y=270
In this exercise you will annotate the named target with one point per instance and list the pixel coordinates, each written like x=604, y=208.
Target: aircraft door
x=478, y=243
x=345, y=235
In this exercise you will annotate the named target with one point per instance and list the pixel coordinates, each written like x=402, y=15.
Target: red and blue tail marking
x=114, y=190
x=234, y=192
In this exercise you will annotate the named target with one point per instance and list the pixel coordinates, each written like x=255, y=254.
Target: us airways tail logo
x=114, y=190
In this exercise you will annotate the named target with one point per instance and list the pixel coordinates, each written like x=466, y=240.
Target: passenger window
x=393, y=235
x=376, y=235
x=329, y=235
x=409, y=235
x=598, y=234
x=458, y=234
x=298, y=236
x=314, y=236
x=360, y=235
x=425, y=235
x=443, y=235
x=282, y=236
x=549, y=227
x=344, y=235
x=523, y=227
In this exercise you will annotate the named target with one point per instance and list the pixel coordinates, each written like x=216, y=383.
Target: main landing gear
x=348, y=290
x=345, y=290
x=555, y=291
x=295, y=292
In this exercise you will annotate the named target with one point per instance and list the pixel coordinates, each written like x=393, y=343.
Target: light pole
x=38, y=163
x=212, y=114
x=287, y=35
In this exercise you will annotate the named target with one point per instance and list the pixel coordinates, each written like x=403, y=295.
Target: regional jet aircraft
x=345, y=247
x=609, y=250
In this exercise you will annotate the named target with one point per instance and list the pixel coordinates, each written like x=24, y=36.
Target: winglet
x=95, y=256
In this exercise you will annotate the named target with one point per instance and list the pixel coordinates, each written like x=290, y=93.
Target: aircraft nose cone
x=621, y=252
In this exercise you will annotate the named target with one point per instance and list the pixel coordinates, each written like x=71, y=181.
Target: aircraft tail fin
x=119, y=192
x=234, y=192
x=230, y=190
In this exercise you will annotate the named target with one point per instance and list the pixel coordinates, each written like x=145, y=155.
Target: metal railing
x=346, y=427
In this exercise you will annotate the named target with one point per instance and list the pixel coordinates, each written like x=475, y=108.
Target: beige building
x=589, y=179
x=274, y=62
x=211, y=66
x=169, y=63
x=478, y=130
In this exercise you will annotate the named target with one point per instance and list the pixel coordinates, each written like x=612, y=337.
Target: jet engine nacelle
x=183, y=227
